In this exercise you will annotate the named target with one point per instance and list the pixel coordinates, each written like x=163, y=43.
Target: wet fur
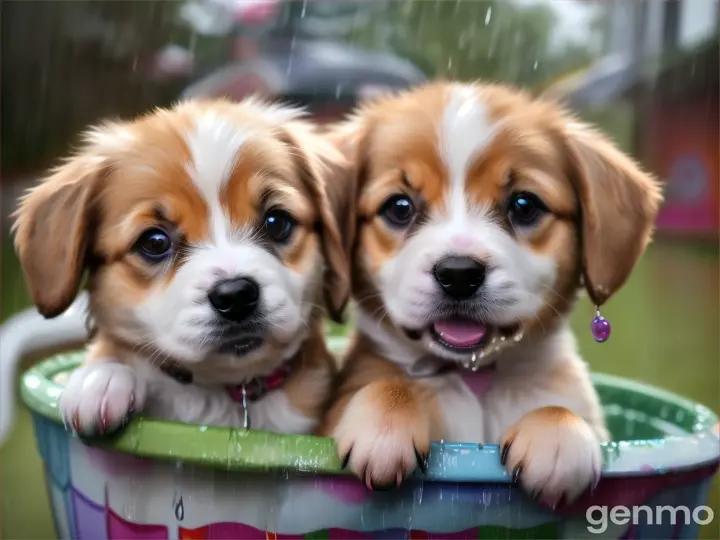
x=204, y=170
x=541, y=406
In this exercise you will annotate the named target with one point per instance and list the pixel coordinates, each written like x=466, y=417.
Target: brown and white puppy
x=208, y=241
x=474, y=213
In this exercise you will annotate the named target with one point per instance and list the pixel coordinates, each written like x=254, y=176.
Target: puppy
x=474, y=215
x=209, y=247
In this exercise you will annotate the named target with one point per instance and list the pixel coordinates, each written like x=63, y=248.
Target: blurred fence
x=65, y=64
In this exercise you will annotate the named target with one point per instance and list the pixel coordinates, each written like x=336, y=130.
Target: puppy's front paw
x=100, y=397
x=553, y=453
x=384, y=434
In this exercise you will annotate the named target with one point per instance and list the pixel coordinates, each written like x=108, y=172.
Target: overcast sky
x=573, y=17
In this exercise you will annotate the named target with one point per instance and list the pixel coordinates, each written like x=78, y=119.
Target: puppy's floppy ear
x=344, y=188
x=52, y=232
x=619, y=204
x=318, y=160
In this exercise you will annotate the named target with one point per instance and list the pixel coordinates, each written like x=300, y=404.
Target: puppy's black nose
x=235, y=299
x=459, y=277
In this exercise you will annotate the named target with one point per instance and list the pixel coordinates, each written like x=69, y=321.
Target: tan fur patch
x=364, y=366
x=309, y=386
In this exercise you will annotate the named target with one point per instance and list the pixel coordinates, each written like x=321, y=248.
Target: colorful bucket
x=162, y=480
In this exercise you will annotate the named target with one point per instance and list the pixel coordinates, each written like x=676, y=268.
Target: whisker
x=550, y=289
x=368, y=297
x=322, y=308
x=546, y=304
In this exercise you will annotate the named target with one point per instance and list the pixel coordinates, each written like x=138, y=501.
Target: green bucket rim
x=265, y=451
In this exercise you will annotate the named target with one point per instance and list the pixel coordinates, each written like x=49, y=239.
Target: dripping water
x=178, y=506
x=177, y=503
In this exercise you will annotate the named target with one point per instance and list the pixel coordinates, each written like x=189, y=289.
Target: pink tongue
x=460, y=333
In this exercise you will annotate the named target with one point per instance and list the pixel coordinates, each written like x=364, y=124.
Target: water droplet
x=246, y=408
x=179, y=507
x=291, y=57
x=304, y=9
x=535, y=65
x=449, y=63
x=488, y=15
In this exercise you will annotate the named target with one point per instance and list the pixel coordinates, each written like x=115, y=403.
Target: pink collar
x=254, y=389
x=478, y=381
x=259, y=386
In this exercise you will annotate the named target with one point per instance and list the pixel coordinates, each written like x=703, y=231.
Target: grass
x=13, y=293
x=664, y=322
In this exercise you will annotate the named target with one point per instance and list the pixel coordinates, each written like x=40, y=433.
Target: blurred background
x=646, y=71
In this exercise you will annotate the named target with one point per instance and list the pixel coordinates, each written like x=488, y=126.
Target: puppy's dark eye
x=154, y=245
x=525, y=209
x=398, y=211
x=279, y=225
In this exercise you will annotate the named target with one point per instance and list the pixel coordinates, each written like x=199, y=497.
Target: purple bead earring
x=600, y=327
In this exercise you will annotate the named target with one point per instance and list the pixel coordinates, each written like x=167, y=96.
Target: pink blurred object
x=258, y=12
x=173, y=60
x=681, y=146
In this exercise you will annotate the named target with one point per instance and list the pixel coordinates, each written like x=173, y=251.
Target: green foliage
x=495, y=40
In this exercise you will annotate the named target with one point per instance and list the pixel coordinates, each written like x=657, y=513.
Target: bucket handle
x=29, y=333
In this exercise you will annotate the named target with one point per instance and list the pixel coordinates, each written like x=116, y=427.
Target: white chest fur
x=212, y=405
x=460, y=410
